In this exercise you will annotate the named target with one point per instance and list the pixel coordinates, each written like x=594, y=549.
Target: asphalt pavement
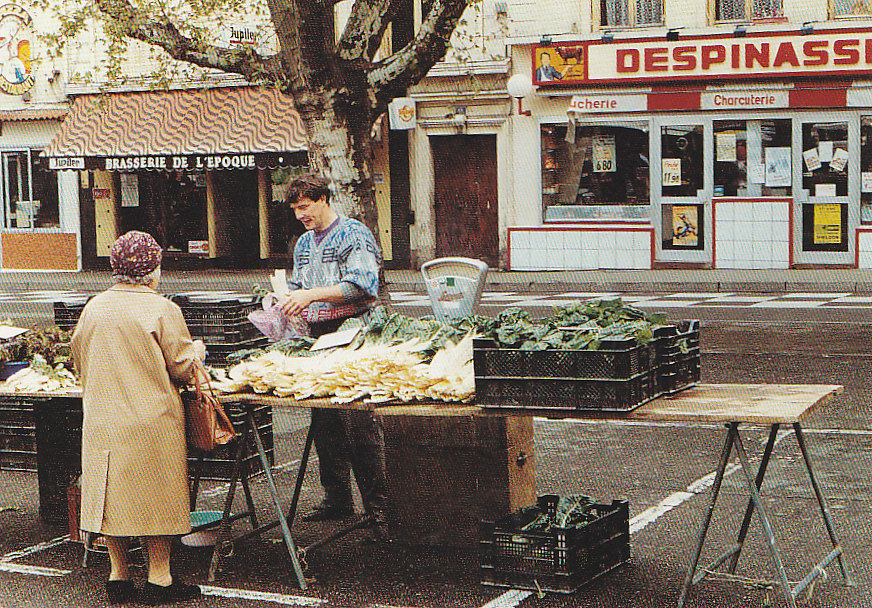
x=850, y=280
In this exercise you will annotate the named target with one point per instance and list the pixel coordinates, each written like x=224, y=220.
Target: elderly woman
x=131, y=346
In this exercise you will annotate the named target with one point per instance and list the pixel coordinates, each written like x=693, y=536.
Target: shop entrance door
x=466, y=219
x=823, y=216
x=679, y=191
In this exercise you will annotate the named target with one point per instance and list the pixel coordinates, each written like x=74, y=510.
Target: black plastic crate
x=615, y=359
x=219, y=322
x=67, y=312
x=58, y=421
x=679, y=358
x=558, y=560
x=567, y=394
x=18, y=461
x=218, y=465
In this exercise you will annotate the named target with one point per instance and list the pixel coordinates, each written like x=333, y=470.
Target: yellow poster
x=827, y=224
x=558, y=63
x=685, y=226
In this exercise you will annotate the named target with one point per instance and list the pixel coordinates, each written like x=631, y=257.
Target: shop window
x=747, y=10
x=630, y=13
x=825, y=163
x=599, y=168
x=30, y=194
x=752, y=158
x=866, y=169
x=851, y=8
x=681, y=160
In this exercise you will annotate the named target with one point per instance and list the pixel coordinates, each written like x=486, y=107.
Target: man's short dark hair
x=308, y=186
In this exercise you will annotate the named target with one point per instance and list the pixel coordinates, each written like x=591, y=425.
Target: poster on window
x=604, y=156
x=827, y=224
x=812, y=160
x=129, y=190
x=778, y=167
x=685, y=226
x=839, y=160
x=671, y=172
x=725, y=147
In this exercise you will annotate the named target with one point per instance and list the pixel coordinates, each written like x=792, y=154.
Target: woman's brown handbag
x=207, y=425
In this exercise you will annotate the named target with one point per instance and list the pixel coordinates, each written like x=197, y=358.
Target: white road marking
x=43, y=546
x=276, y=598
x=32, y=570
x=509, y=599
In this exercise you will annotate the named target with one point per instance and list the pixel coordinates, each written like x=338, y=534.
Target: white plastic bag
x=274, y=324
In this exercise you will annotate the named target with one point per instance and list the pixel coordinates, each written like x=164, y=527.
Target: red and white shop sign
x=744, y=100
x=595, y=104
x=766, y=55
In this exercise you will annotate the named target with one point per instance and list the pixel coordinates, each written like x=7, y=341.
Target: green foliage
x=574, y=511
x=52, y=344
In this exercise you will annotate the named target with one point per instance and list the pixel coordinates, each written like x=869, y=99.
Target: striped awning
x=193, y=129
x=54, y=113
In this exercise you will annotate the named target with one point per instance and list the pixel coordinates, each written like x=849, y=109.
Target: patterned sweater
x=348, y=256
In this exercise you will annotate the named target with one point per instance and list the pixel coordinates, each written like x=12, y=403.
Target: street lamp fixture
x=519, y=86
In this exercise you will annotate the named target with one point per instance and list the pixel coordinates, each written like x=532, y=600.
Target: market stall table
x=767, y=405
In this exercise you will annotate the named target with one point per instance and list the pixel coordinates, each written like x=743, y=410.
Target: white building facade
x=669, y=133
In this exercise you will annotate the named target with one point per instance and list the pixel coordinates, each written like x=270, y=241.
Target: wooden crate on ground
x=449, y=468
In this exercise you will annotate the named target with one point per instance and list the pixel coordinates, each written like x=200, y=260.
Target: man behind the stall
x=336, y=277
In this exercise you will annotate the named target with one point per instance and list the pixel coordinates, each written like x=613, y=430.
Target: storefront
x=200, y=169
x=751, y=152
x=39, y=211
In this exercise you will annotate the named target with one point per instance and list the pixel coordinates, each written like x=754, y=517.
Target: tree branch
x=130, y=22
x=390, y=78
x=366, y=27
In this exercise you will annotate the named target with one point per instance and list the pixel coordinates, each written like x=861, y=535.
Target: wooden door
x=467, y=223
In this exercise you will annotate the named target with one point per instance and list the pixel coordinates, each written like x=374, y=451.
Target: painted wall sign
x=402, y=113
x=191, y=162
x=594, y=104
x=744, y=100
x=16, y=36
x=836, y=52
x=66, y=162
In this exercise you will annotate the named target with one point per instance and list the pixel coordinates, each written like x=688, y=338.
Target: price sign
x=604, y=154
x=671, y=171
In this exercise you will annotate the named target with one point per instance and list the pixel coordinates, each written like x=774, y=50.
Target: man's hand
x=297, y=301
x=200, y=350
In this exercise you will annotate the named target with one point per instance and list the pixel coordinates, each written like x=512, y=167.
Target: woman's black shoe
x=155, y=595
x=120, y=592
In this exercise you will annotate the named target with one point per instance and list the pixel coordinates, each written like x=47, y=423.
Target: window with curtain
x=630, y=13
x=850, y=8
x=746, y=10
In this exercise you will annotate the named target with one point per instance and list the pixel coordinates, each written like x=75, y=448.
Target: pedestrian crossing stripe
x=505, y=299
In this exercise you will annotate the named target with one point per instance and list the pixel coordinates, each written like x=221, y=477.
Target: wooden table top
x=762, y=404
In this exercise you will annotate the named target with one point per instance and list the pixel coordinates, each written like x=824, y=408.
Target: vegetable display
x=574, y=511
x=40, y=377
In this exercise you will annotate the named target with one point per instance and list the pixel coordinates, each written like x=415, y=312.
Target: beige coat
x=129, y=345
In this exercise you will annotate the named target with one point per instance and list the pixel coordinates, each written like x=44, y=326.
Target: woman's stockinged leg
x=117, y=547
x=159, y=560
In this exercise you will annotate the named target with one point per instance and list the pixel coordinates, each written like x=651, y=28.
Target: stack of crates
x=619, y=376
x=59, y=452
x=218, y=465
x=17, y=434
x=222, y=324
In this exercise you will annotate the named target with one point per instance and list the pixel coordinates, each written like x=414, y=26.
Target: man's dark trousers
x=346, y=440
